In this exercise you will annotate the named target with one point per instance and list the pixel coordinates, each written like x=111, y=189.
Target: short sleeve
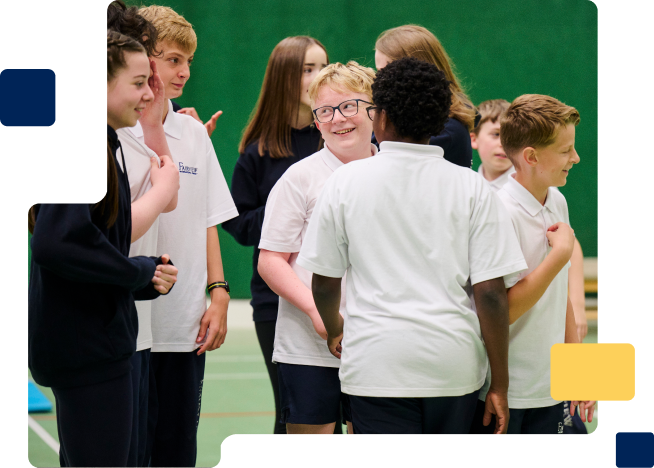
x=285, y=214
x=325, y=248
x=220, y=206
x=493, y=249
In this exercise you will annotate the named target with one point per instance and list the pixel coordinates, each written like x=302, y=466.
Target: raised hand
x=154, y=111
x=211, y=123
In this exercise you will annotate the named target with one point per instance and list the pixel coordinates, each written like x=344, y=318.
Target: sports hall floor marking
x=43, y=434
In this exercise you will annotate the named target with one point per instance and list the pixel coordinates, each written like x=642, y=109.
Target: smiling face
x=346, y=137
x=173, y=66
x=315, y=59
x=556, y=159
x=128, y=92
x=488, y=145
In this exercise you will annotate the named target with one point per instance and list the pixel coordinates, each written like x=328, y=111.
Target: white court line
x=242, y=358
x=43, y=434
x=237, y=376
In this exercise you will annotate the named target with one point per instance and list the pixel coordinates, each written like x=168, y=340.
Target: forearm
x=154, y=137
x=327, y=297
x=576, y=280
x=527, y=292
x=280, y=277
x=571, y=335
x=492, y=309
x=146, y=209
x=215, y=266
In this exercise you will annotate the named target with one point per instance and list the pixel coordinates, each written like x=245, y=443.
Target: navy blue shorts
x=546, y=420
x=311, y=395
x=437, y=415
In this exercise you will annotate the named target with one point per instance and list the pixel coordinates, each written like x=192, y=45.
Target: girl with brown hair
x=280, y=133
x=82, y=319
x=418, y=42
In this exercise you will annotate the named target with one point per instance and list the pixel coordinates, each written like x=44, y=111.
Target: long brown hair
x=279, y=101
x=415, y=41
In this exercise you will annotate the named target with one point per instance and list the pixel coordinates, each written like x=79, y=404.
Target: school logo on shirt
x=187, y=169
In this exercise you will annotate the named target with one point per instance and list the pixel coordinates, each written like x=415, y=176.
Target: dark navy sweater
x=82, y=318
x=253, y=179
x=455, y=141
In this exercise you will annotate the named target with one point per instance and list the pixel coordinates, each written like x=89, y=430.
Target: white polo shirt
x=533, y=334
x=499, y=182
x=137, y=158
x=288, y=211
x=411, y=230
x=203, y=201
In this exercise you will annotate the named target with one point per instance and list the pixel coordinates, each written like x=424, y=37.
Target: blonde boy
x=181, y=322
x=538, y=136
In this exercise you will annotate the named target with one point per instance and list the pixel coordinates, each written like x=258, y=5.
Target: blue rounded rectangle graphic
x=27, y=97
x=634, y=449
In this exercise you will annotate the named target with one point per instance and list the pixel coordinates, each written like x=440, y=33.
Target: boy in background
x=538, y=136
x=181, y=322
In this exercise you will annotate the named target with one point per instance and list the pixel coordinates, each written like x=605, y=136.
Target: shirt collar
x=525, y=198
x=413, y=148
x=333, y=162
x=500, y=181
x=172, y=126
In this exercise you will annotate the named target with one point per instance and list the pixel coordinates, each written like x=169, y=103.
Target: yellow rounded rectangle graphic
x=593, y=371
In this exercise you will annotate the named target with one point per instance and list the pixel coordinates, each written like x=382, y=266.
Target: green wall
x=501, y=49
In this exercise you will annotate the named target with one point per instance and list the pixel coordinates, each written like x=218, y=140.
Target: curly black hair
x=415, y=95
x=127, y=21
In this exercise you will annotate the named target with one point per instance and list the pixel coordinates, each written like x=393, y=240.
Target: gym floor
x=237, y=397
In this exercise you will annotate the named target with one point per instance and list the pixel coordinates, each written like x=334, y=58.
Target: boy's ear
x=473, y=141
x=317, y=124
x=530, y=156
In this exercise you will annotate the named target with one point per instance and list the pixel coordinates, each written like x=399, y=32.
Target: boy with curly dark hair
x=415, y=234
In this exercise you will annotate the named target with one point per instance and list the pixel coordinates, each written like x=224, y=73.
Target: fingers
x=554, y=227
x=204, y=324
x=487, y=417
x=591, y=411
x=165, y=258
x=501, y=425
x=153, y=163
x=573, y=404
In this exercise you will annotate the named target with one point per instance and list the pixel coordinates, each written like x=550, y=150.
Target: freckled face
x=343, y=134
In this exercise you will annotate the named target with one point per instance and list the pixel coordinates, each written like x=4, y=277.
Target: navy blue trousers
x=547, y=420
x=174, y=408
x=94, y=423
x=140, y=385
x=437, y=415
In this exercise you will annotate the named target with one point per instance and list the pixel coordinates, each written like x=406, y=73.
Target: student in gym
x=310, y=391
x=496, y=168
x=82, y=320
x=538, y=136
x=414, y=233
x=415, y=41
x=183, y=327
x=280, y=133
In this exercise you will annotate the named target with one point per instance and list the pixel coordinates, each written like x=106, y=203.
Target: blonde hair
x=171, y=27
x=349, y=77
x=533, y=120
x=415, y=41
x=490, y=111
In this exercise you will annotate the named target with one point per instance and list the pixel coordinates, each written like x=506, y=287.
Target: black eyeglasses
x=347, y=109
